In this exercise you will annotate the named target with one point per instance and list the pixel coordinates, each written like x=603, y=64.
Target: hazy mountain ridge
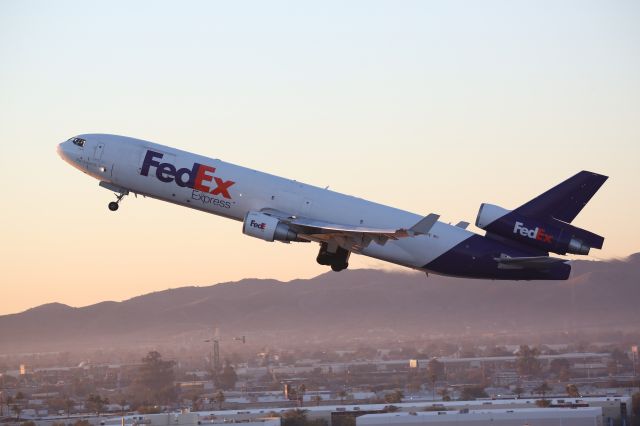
x=598, y=295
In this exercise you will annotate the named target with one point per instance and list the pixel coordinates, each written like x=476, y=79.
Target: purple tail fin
x=565, y=200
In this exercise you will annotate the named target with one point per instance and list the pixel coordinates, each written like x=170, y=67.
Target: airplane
x=516, y=245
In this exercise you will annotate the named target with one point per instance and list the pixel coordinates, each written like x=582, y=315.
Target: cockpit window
x=78, y=141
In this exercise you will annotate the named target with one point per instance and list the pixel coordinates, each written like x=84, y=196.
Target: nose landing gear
x=113, y=206
x=338, y=259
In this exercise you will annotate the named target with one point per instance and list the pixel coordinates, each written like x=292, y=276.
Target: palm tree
x=572, y=391
x=316, y=399
x=68, y=404
x=294, y=417
x=444, y=393
x=543, y=389
x=527, y=361
x=97, y=403
x=17, y=410
x=543, y=403
x=302, y=389
x=219, y=398
x=435, y=369
x=195, y=402
x=8, y=402
x=123, y=402
x=17, y=406
x=394, y=397
x=518, y=391
x=342, y=395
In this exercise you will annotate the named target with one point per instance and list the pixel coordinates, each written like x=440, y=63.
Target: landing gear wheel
x=339, y=267
x=113, y=206
x=338, y=260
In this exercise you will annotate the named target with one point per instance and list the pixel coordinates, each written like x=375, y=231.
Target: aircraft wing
x=348, y=236
x=533, y=262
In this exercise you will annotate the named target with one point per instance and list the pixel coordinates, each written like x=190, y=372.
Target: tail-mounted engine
x=268, y=228
x=549, y=234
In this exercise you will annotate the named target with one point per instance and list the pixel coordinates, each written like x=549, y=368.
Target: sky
x=426, y=106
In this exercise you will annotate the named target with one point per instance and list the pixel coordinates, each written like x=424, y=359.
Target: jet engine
x=268, y=228
x=548, y=233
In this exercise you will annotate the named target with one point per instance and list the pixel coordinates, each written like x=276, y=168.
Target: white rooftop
x=562, y=416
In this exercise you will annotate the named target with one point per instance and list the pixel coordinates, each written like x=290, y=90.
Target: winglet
x=425, y=224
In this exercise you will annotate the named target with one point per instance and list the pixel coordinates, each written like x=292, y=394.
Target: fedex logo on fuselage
x=199, y=177
x=535, y=234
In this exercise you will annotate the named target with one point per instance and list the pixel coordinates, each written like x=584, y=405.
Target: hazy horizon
x=424, y=106
x=386, y=270
x=358, y=304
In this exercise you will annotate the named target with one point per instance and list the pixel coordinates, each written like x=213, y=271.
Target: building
x=518, y=417
x=614, y=411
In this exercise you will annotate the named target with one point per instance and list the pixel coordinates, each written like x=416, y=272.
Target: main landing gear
x=113, y=206
x=338, y=258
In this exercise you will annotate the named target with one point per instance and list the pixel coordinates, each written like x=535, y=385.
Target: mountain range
x=600, y=295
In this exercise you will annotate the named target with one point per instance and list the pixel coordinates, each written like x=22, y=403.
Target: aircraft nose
x=61, y=149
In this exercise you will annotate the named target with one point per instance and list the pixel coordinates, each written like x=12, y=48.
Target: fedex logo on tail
x=199, y=177
x=535, y=234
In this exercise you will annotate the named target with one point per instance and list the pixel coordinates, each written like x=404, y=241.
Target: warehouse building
x=526, y=416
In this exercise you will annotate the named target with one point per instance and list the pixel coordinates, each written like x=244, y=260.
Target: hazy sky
x=426, y=106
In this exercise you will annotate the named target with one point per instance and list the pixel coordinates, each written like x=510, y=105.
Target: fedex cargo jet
x=516, y=244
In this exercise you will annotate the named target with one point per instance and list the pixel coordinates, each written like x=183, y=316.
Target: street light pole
x=634, y=353
x=215, y=355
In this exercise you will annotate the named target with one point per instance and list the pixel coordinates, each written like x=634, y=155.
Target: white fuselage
x=231, y=191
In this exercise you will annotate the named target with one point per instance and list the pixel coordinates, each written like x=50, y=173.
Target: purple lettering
x=149, y=161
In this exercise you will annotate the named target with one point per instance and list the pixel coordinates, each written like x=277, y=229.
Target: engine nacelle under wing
x=548, y=234
x=268, y=228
